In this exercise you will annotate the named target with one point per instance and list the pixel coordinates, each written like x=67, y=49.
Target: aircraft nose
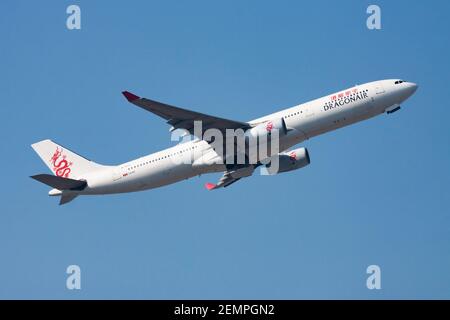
x=404, y=90
x=412, y=87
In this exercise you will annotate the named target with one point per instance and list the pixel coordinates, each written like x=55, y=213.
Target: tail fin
x=61, y=161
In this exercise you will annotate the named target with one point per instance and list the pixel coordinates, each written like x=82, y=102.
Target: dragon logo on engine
x=61, y=166
x=293, y=156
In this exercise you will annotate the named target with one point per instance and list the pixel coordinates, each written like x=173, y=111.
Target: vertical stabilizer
x=61, y=161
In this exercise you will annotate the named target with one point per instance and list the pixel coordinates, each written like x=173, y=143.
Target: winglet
x=130, y=97
x=210, y=186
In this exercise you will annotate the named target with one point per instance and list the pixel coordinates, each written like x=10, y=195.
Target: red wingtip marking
x=210, y=186
x=130, y=97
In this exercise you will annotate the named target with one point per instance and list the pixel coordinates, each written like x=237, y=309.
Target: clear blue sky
x=375, y=193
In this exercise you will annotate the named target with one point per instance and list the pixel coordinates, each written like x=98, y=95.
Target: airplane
x=74, y=175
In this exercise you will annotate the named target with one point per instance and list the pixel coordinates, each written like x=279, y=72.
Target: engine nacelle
x=288, y=161
x=265, y=129
x=261, y=141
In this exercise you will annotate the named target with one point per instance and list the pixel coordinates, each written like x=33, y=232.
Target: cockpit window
x=399, y=81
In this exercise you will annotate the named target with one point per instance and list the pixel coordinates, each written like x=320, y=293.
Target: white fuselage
x=308, y=120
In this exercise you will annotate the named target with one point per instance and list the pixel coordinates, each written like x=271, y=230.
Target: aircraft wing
x=224, y=181
x=231, y=176
x=182, y=118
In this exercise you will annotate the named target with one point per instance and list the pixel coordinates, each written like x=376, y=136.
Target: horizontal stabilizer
x=59, y=182
x=67, y=197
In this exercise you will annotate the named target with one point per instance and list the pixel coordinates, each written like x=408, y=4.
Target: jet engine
x=288, y=161
x=262, y=142
x=266, y=128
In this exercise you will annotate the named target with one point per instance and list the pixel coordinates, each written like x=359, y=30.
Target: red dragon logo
x=293, y=156
x=61, y=167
